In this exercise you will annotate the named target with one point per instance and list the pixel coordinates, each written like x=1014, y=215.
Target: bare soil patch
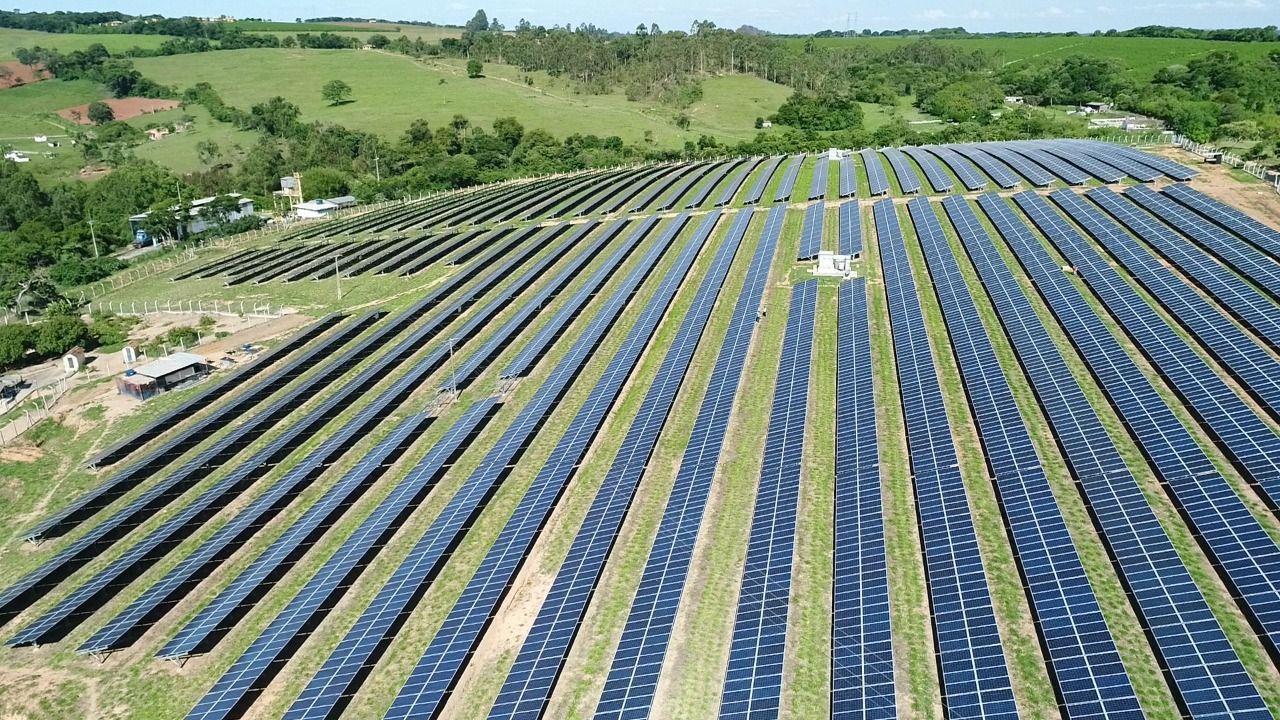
x=1259, y=199
x=124, y=108
x=19, y=74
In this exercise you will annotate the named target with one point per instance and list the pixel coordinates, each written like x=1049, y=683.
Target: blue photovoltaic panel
x=851, y=228
x=437, y=671
x=1029, y=170
x=1243, y=257
x=1084, y=663
x=528, y=686
x=818, y=184
x=1139, y=171
x=89, y=597
x=938, y=178
x=1263, y=237
x=908, y=179
x=1175, y=170
x=1204, y=672
x=1065, y=171
x=1238, y=297
x=757, y=189
x=533, y=350
x=997, y=169
x=877, y=180
x=862, y=685
x=1251, y=366
x=815, y=217
x=1091, y=165
x=975, y=679
x=633, y=677
x=736, y=180
x=969, y=175
x=848, y=176
x=659, y=186
x=249, y=674
x=700, y=195
x=788, y=184
x=1232, y=536
x=679, y=189
x=753, y=680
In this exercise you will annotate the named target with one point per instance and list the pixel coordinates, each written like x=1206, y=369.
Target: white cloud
x=934, y=14
x=976, y=14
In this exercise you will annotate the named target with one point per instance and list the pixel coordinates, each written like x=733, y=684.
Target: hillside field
x=1143, y=56
x=390, y=91
x=11, y=40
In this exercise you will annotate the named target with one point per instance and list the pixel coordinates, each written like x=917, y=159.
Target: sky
x=796, y=16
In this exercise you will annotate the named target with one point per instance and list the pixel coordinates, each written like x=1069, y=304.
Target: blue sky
x=797, y=16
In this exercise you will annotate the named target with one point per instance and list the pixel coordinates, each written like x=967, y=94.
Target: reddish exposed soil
x=124, y=108
x=19, y=74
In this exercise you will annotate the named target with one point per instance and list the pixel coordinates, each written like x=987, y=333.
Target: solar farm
x=621, y=452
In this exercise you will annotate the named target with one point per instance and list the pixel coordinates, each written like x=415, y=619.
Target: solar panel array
x=938, y=178
x=862, y=685
x=963, y=168
x=633, y=676
x=1233, y=537
x=1030, y=171
x=818, y=183
x=1247, y=362
x=1083, y=659
x=975, y=679
x=1204, y=671
x=848, y=176
x=736, y=180
x=788, y=183
x=753, y=680
x=815, y=217
x=1247, y=260
x=1261, y=236
x=762, y=180
x=908, y=179
x=850, y=240
x=1077, y=160
x=996, y=169
x=877, y=180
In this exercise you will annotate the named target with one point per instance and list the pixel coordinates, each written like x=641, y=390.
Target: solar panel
x=89, y=596
x=1031, y=171
x=908, y=180
x=848, y=176
x=1261, y=236
x=1139, y=171
x=533, y=351
x=815, y=217
x=1203, y=670
x=1232, y=536
x=753, y=680
x=938, y=178
x=528, y=685
x=788, y=184
x=444, y=658
x=975, y=679
x=1235, y=295
x=1175, y=170
x=670, y=199
x=762, y=182
x=969, y=175
x=1103, y=171
x=620, y=191
x=1084, y=663
x=736, y=180
x=862, y=686
x=877, y=180
x=633, y=677
x=1247, y=362
x=254, y=668
x=700, y=195
x=1239, y=255
x=996, y=169
x=210, y=392
x=1065, y=171
x=851, y=228
x=818, y=183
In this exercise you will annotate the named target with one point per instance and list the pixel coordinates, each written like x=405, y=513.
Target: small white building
x=198, y=222
x=318, y=208
x=16, y=156
x=1014, y=100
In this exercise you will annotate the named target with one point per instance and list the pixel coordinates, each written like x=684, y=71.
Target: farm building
x=318, y=208
x=146, y=381
x=199, y=220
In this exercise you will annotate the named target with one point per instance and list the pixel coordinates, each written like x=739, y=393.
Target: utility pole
x=337, y=274
x=93, y=236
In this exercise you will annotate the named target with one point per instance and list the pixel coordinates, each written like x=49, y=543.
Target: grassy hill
x=1143, y=56
x=390, y=91
x=11, y=40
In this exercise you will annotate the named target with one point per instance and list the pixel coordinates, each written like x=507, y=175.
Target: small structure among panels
x=157, y=376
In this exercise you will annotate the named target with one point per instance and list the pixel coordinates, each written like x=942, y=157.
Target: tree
x=59, y=333
x=474, y=68
x=336, y=92
x=15, y=340
x=378, y=41
x=478, y=23
x=100, y=113
x=323, y=182
x=208, y=152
